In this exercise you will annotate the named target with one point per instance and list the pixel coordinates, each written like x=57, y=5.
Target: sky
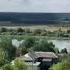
x=56, y=6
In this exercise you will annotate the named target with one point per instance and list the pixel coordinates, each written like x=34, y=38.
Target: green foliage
x=19, y=65
x=37, y=31
x=56, y=50
x=4, y=29
x=64, y=51
x=68, y=31
x=27, y=30
x=7, y=67
x=43, y=45
x=6, y=43
x=64, y=65
x=20, y=30
x=66, y=62
x=36, y=43
x=58, y=66
x=24, y=50
x=3, y=57
x=29, y=42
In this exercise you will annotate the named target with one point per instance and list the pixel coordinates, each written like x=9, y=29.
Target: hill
x=13, y=18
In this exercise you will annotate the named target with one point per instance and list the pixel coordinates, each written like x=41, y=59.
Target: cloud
x=35, y=5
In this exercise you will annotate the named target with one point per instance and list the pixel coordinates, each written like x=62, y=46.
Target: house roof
x=26, y=57
x=46, y=54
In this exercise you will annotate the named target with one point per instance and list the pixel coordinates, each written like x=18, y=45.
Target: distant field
x=44, y=27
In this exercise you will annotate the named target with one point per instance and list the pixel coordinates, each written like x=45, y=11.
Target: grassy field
x=48, y=28
x=21, y=37
x=44, y=27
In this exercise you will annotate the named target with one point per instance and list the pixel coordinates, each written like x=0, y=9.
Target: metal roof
x=44, y=55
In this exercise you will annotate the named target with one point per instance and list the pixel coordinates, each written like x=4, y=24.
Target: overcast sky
x=34, y=5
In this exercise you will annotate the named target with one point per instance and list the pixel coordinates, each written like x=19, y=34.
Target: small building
x=40, y=60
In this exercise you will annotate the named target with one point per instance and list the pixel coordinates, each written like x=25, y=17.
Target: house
x=41, y=60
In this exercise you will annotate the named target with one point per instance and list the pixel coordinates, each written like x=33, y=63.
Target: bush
x=7, y=67
x=6, y=44
x=43, y=45
x=64, y=65
x=3, y=57
x=29, y=42
x=4, y=29
x=27, y=30
x=37, y=31
x=19, y=65
x=68, y=31
x=43, y=33
x=20, y=30
x=58, y=66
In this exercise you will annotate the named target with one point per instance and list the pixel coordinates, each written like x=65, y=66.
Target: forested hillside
x=8, y=18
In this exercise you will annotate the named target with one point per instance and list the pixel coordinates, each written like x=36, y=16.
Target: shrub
x=44, y=45
x=27, y=30
x=7, y=67
x=4, y=29
x=37, y=31
x=19, y=65
x=64, y=65
x=20, y=30
x=3, y=57
x=58, y=66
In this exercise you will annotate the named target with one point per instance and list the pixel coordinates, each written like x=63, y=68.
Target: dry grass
x=44, y=27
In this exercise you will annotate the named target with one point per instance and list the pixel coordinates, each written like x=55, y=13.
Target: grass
x=20, y=37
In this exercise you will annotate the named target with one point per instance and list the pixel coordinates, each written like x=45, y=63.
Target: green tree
x=64, y=51
x=44, y=45
x=6, y=43
x=4, y=29
x=29, y=42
